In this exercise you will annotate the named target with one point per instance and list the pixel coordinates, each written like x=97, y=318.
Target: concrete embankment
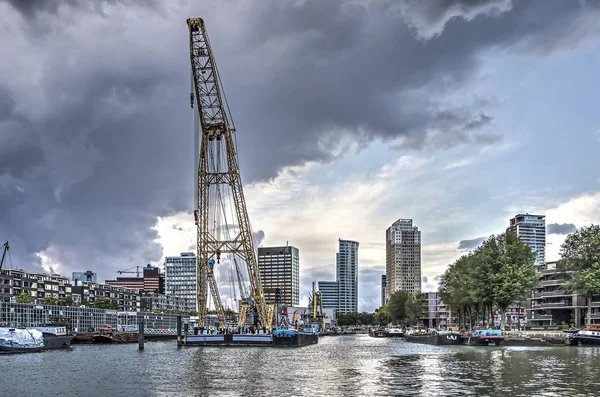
x=516, y=338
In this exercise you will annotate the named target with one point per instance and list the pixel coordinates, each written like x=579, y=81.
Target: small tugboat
x=377, y=333
x=434, y=337
x=293, y=337
x=104, y=336
x=17, y=340
x=589, y=336
x=394, y=333
x=484, y=337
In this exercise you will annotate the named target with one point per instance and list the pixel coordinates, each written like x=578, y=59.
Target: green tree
x=397, y=306
x=105, y=303
x=514, y=272
x=67, y=301
x=50, y=300
x=24, y=297
x=580, y=264
x=365, y=318
x=415, y=307
x=382, y=316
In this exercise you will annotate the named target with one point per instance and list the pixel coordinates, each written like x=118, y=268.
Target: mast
x=218, y=171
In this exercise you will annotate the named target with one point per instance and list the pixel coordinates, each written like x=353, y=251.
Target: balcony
x=555, y=305
x=546, y=283
x=541, y=317
x=546, y=294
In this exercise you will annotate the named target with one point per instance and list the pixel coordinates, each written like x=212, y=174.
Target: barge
x=434, y=337
x=484, y=337
x=294, y=337
x=55, y=337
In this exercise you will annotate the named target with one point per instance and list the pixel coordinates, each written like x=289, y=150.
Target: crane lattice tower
x=218, y=170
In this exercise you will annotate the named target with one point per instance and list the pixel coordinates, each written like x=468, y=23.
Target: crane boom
x=130, y=270
x=4, y=254
x=215, y=127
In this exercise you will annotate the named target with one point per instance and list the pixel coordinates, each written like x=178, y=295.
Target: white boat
x=20, y=340
x=587, y=337
x=394, y=333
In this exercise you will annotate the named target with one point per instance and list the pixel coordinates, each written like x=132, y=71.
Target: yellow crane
x=218, y=181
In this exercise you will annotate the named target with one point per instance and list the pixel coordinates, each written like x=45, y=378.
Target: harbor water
x=349, y=365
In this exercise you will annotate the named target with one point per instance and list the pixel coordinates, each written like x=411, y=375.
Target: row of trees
x=403, y=308
x=500, y=272
x=99, y=303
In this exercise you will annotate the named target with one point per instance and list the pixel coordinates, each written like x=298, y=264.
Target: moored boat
x=104, y=336
x=484, y=337
x=55, y=336
x=294, y=337
x=434, y=337
x=394, y=333
x=586, y=337
x=20, y=340
x=377, y=333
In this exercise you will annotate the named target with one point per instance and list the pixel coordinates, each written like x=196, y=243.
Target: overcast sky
x=349, y=115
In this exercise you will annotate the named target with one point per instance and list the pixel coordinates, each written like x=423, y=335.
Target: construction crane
x=318, y=314
x=218, y=171
x=136, y=271
x=4, y=254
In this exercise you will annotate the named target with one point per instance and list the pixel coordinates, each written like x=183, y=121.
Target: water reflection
x=337, y=366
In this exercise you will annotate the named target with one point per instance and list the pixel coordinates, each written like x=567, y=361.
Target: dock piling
x=179, y=341
x=141, y=338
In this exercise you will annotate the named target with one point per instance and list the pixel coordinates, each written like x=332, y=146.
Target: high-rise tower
x=347, y=276
x=279, y=269
x=403, y=258
x=531, y=229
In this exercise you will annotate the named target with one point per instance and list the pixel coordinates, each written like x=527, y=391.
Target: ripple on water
x=353, y=365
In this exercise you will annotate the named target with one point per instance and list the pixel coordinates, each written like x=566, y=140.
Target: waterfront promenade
x=350, y=365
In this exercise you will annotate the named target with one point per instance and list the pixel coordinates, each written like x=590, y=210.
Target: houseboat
x=55, y=336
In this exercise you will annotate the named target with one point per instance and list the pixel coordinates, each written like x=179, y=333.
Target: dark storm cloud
x=95, y=127
x=561, y=228
x=464, y=245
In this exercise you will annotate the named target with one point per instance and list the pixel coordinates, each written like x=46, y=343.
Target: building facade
x=279, y=269
x=165, y=303
x=347, y=276
x=329, y=293
x=128, y=299
x=550, y=305
x=383, y=289
x=38, y=286
x=531, y=229
x=403, y=258
x=180, y=276
x=84, y=319
x=437, y=314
